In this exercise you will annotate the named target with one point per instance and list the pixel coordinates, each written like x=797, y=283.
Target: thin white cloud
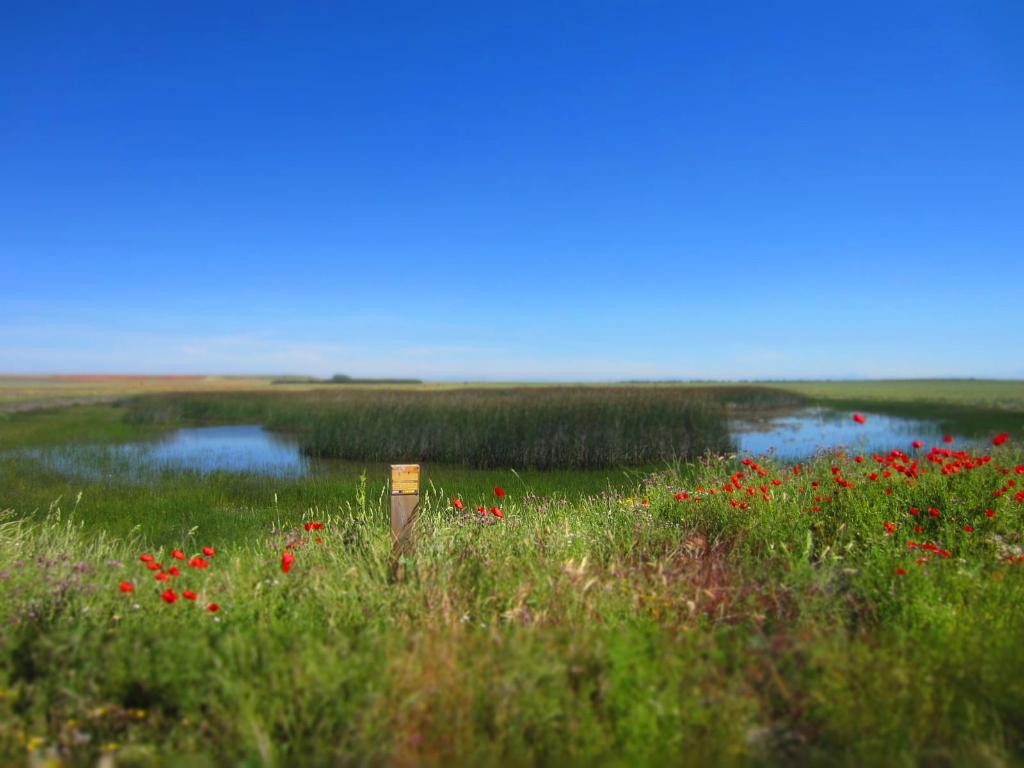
x=52, y=347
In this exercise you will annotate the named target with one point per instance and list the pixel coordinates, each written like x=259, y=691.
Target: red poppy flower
x=174, y=570
x=918, y=444
x=969, y=528
x=287, y=559
x=188, y=594
x=901, y=571
x=1001, y=438
x=890, y=527
x=496, y=511
x=162, y=577
x=933, y=512
x=947, y=439
x=213, y=607
x=499, y=491
x=313, y=526
x=154, y=566
x=482, y=509
x=457, y=503
x=859, y=418
x=177, y=554
x=169, y=596
x=209, y=551
x=990, y=513
x=198, y=562
x=146, y=558
x=682, y=496
x=127, y=586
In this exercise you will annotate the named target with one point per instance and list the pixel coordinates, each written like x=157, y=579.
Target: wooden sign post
x=405, y=508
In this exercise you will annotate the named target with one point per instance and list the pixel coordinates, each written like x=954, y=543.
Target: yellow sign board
x=405, y=479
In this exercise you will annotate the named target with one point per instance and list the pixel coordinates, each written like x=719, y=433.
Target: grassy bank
x=787, y=619
x=990, y=394
x=540, y=427
x=95, y=423
x=166, y=504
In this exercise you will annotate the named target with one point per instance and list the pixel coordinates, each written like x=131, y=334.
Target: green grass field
x=676, y=612
x=979, y=393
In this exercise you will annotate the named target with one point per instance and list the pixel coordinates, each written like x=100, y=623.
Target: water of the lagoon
x=810, y=430
x=243, y=448
x=251, y=448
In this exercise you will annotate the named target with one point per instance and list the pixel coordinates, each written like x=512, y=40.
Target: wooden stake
x=405, y=508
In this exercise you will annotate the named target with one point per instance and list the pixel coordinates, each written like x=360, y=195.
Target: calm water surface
x=809, y=430
x=251, y=448
x=245, y=448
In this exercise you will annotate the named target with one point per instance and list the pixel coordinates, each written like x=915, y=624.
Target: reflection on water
x=251, y=448
x=810, y=430
x=243, y=448
x=247, y=448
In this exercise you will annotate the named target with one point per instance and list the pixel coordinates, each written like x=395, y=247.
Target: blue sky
x=572, y=190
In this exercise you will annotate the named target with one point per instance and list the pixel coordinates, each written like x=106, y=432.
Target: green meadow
x=645, y=598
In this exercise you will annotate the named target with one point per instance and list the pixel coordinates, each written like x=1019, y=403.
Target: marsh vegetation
x=848, y=608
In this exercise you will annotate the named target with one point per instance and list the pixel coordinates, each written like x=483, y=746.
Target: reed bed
x=528, y=427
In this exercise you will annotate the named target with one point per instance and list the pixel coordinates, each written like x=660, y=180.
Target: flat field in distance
x=29, y=392
x=19, y=390
x=1006, y=394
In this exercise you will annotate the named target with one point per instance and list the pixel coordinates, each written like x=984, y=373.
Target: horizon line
x=97, y=376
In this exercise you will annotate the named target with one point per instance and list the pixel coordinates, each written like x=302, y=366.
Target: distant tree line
x=341, y=378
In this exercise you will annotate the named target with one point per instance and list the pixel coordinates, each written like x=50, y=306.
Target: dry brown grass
x=19, y=393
